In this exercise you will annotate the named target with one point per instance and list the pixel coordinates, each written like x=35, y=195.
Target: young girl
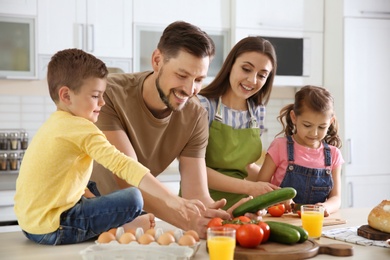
x=307, y=158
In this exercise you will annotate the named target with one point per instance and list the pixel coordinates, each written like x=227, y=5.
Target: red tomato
x=277, y=210
x=249, y=235
x=232, y=225
x=243, y=219
x=215, y=222
x=266, y=230
x=299, y=213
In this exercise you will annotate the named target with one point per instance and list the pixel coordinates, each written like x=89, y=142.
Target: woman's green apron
x=230, y=150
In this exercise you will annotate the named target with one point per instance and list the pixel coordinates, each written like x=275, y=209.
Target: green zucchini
x=302, y=232
x=265, y=200
x=282, y=233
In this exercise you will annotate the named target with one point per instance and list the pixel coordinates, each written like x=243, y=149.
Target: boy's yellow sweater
x=57, y=166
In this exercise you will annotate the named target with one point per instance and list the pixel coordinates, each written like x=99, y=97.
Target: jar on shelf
x=3, y=141
x=14, y=140
x=3, y=161
x=13, y=161
x=23, y=140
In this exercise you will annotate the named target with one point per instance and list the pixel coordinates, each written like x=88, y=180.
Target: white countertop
x=13, y=245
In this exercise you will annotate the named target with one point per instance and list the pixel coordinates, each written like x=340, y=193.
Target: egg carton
x=135, y=251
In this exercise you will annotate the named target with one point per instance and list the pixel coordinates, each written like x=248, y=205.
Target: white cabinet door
x=109, y=28
x=297, y=15
x=367, y=191
x=57, y=26
x=366, y=94
x=367, y=8
x=207, y=14
x=103, y=28
x=18, y=7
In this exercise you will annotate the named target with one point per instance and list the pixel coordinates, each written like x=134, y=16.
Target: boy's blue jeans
x=90, y=217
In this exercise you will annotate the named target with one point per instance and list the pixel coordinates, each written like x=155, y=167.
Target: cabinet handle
x=349, y=151
x=80, y=36
x=350, y=197
x=375, y=12
x=91, y=38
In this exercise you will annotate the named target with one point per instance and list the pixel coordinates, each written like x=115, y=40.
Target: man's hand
x=199, y=223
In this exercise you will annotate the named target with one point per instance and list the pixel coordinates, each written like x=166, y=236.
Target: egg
x=126, y=238
x=165, y=239
x=106, y=237
x=172, y=232
x=132, y=231
x=146, y=239
x=151, y=231
x=113, y=231
x=192, y=233
x=187, y=240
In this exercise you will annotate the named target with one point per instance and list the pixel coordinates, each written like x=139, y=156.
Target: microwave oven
x=299, y=55
x=17, y=47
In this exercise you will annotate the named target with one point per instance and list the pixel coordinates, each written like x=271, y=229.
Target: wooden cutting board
x=277, y=251
x=370, y=233
x=294, y=219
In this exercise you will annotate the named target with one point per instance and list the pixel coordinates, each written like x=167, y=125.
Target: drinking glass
x=312, y=217
x=221, y=242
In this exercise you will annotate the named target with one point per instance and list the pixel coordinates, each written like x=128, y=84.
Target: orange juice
x=221, y=247
x=312, y=223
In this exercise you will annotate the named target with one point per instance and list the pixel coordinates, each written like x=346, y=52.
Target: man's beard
x=165, y=98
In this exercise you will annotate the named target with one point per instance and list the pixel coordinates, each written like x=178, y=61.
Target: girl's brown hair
x=317, y=99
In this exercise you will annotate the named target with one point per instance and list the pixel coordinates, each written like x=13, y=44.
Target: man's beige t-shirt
x=157, y=142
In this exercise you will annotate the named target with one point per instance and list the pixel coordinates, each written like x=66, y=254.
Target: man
x=153, y=117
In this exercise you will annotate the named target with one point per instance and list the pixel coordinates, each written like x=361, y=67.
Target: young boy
x=51, y=204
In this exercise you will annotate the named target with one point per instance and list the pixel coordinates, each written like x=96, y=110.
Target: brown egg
x=132, y=231
x=192, y=233
x=165, y=239
x=172, y=232
x=151, y=231
x=106, y=237
x=146, y=239
x=127, y=238
x=187, y=240
x=113, y=231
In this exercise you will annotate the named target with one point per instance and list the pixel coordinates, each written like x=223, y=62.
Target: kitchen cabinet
x=367, y=191
x=18, y=7
x=207, y=14
x=297, y=15
x=366, y=108
x=364, y=8
x=100, y=27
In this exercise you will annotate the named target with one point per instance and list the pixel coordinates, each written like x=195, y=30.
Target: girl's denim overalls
x=312, y=185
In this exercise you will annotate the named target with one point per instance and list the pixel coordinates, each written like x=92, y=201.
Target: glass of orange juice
x=221, y=242
x=312, y=217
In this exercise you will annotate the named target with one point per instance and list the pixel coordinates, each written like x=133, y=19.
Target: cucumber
x=304, y=235
x=282, y=233
x=265, y=200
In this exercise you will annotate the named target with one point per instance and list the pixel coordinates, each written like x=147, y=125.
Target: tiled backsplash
x=29, y=112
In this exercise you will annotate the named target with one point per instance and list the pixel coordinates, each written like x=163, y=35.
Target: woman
x=235, y=101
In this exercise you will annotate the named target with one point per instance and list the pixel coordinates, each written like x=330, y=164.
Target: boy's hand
x=88, y=194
